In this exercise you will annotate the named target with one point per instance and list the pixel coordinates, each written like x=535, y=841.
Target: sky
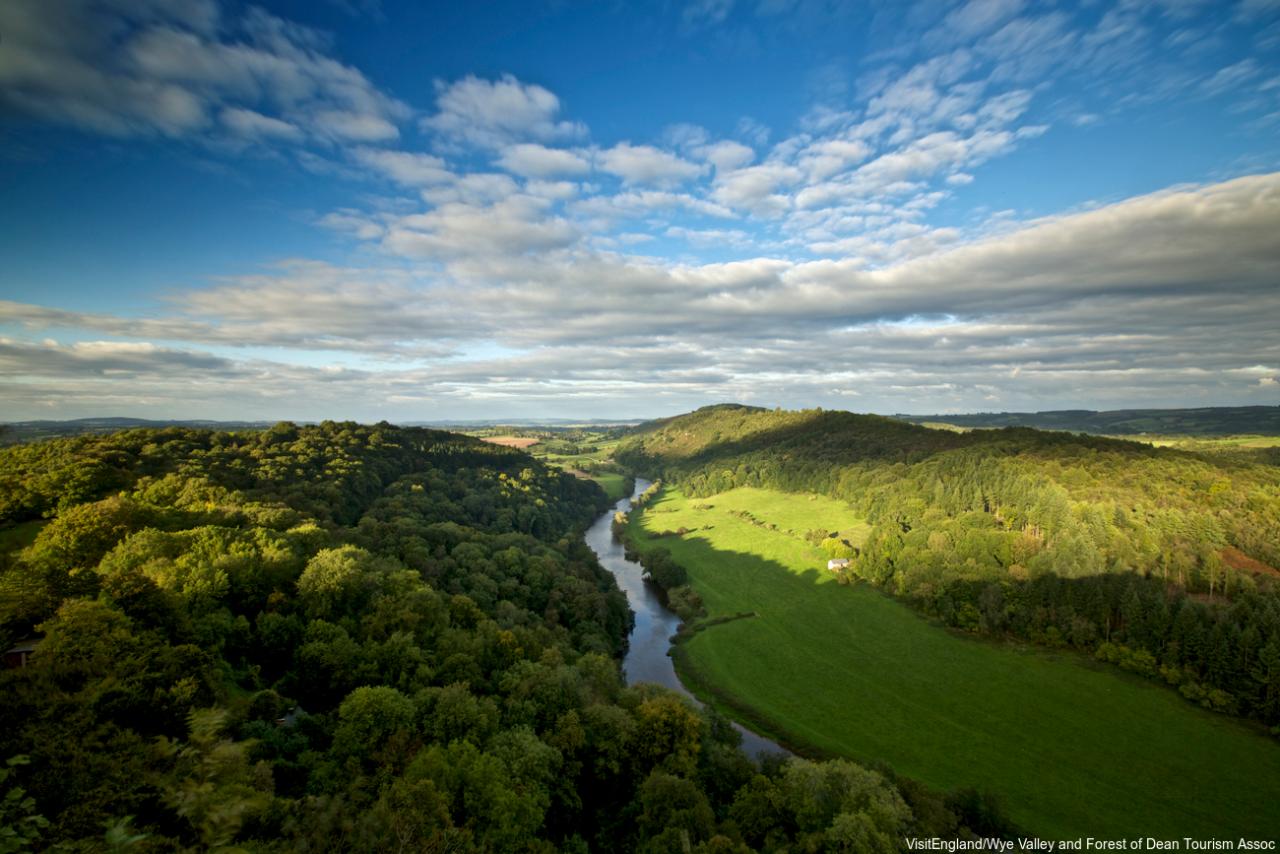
x=403, y=211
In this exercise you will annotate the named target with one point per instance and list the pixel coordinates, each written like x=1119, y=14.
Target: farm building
x=17, y=655
x=838, y=563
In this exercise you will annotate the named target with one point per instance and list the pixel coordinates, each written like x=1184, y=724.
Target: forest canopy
x=346, y=637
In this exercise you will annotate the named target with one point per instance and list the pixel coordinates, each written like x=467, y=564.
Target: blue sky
x=368, y=210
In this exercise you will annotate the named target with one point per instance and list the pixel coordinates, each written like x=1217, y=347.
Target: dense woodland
x=1154, y=559
x=362, y=638
x=1208, y=421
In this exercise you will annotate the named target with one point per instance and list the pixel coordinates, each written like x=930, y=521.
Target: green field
x=567, y=449
x=596, y=465
x=1071, y=748
x=613, y=484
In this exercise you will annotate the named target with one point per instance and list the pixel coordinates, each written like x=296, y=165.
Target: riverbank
x=648, y=656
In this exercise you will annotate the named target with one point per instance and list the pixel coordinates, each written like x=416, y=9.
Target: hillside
x=1159, y=560
x=1076, y=504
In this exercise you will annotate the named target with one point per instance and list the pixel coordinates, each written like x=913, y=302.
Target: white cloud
x=253, y=125
x=537, y=161
x=512, y=226
x=824, y=159
x=561, y=191
x=644, y=164
x=1005, y=108
x=554, y=268
x=726, y=155
x=757, y=188
x=1231, y=77
x=639, y=203
x=166, y=68
x=1029, y=47
x=109, y=359
x=895, y=171
x=353, y=223
x=1144, y=301
x=685, y=136
x=492, y=113
x=348, y=126
x=976, y=17
x=411, y=169
x=300, y=305
x=754, y=132
x=476, y=188
x=1251, y=10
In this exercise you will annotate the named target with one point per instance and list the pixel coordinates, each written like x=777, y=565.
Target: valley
x=1068, y=745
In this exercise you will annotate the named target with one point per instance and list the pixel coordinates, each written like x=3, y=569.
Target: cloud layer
x=1158, y=297
x=505, y=261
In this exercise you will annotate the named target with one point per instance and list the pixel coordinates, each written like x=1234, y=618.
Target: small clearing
x=512, y=441
x=1237, y=559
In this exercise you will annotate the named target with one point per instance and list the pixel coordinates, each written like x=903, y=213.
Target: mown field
x=1071, y=748
x=586, y=453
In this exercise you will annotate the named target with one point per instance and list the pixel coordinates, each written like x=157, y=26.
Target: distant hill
x=1208, y=421
x=15, y=432
x=551, y=423
x=1052, y=501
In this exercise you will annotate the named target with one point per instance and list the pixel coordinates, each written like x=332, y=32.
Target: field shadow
x=779, y=594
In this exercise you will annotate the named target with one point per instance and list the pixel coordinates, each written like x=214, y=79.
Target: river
x=647, y=659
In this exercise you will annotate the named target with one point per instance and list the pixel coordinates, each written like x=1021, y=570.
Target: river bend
x=647, y=657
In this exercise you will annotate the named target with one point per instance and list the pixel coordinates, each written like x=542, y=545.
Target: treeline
x=660, y=567
x=1226, y=658
x=1208, y=421
x=363, y=638
x=1005, y=510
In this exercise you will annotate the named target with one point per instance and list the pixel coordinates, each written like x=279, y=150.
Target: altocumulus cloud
x=180, y=69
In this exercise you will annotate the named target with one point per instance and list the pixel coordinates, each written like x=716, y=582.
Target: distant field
x=593, y=464
x=512, y=441
x=612, y=483
x=1209, y=443
x=1069, y=747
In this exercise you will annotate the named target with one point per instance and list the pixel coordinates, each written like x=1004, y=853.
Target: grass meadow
x=1070, y=747
x=596, y=465
x=613, y=483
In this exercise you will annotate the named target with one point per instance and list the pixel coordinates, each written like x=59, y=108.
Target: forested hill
x=725, y=431
x=360, y=638
x=1208, y=421
x=15, y=432
x=333, y=473
x=1098, y=543
x=1077, y=504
